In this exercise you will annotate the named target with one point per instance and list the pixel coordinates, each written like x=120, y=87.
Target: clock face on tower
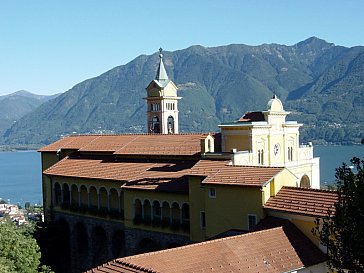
x=276, y=149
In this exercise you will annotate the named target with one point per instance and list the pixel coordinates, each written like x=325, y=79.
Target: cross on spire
x=161, y=72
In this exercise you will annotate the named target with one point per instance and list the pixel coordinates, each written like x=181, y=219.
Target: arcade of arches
x=162, y=213
x=85, y=243
x=89, y=199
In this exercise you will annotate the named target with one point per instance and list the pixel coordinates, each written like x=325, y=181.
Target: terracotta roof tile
x=305, y=201
x=278, y=249
x=70, y=142
x=161, y=176
x=252, y=116
x=132, y=144
x=219, y=172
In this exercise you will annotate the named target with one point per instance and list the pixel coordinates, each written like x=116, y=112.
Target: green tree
x=19, y=251
x=342, y=231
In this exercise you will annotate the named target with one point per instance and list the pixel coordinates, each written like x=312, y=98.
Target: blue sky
x=48, y=46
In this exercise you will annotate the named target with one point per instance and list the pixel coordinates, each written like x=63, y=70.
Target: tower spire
x=161, y=72
x=162, y=103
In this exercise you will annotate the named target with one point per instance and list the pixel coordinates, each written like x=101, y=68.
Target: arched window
x=147, y=211
x=66, y=195
x=166, y=213
x=104, y=199
x=114, y=200
x=94, y=203
x=74, y=196
x=137, y=209
x=290, y=153
x=260, y=157
x=84, y=196
x=155, y=126
x=57, y=194
x=185, y=212
x=175, y=214
x=156, y=210
x=170, y=124
x=305, y=182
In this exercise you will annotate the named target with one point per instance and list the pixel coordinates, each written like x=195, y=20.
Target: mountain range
x=16, y=105
x=320, y=83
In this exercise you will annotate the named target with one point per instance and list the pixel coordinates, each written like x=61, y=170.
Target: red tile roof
x=278, y=249
x=304, y=201
x=132, y=144
x=252, y=116
x=66, y=143
x=162, y=176
x=219, y=172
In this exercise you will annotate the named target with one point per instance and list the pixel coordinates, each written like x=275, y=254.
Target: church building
x=112, y=196
x=162, y=113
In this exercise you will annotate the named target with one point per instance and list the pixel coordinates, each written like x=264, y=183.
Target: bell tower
x=162, y=103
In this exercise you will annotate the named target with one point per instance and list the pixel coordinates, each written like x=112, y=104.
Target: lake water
x=332, y=157
x=20, y=177
x=20, y=172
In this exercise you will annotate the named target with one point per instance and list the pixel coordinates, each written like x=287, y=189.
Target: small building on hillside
x=118, y=195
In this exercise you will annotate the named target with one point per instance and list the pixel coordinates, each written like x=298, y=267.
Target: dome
x=275, y=104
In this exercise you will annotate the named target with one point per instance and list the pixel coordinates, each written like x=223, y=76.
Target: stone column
x=88, y=198
x=108, y=201
x=70, y=196
x=119, y=205
x=79, y=197
x=170, y=214
x=54, y=195
x=62, y=195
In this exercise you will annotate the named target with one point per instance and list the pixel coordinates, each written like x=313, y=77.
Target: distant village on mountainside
x=319, y=83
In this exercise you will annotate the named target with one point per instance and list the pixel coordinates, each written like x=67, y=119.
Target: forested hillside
x=16, y=105
x=320, y=83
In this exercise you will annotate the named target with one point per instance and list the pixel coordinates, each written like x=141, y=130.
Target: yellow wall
x=306, y=227
x=47, y=192
x=279, y=157
x=197, y=204
x=304, y=223
x=241, y=143
x=48, y=159
x=170, y=91
x=51, y=158
x=284, y=178
x=229, y=210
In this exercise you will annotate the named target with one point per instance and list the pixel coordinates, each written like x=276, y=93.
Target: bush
x=19, y=251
